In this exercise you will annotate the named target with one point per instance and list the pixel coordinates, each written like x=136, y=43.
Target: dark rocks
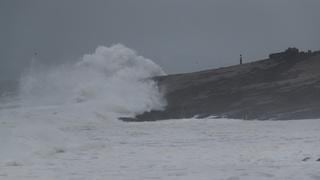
x=268, y=89
x=306, y=159
x=309, y=158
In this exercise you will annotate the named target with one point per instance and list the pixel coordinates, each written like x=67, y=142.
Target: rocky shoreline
x=284, y=86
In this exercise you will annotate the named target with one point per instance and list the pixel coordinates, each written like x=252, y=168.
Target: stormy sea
x=62, y=122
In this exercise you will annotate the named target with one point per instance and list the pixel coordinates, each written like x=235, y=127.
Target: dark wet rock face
x=285, y=86
x=306, y=159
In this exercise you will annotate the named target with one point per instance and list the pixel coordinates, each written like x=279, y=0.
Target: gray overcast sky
x=179, y=35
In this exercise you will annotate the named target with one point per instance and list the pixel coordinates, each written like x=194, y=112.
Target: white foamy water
x=58, y=143
x=112, y=79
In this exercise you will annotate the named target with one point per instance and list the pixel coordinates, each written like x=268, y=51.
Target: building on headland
x=292, y=52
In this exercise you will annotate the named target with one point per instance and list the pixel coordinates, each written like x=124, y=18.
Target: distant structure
x=240, y=58
x=292, y=53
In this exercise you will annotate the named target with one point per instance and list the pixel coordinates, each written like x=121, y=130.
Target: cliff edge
x=284, y=86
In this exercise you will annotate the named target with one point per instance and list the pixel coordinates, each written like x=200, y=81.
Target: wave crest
x=112, y=79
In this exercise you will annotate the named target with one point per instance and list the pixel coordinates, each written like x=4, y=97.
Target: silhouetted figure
x=240, y=58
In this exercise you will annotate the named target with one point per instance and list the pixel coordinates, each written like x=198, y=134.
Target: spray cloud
x=112, y=79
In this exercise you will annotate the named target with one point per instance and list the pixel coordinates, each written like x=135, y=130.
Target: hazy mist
x=179, y=35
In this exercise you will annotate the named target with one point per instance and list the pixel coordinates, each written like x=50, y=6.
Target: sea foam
x=112, y=79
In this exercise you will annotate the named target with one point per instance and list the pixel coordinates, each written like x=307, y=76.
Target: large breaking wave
x=112, y=79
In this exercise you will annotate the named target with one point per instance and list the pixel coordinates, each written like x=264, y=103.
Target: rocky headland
x=284, y=86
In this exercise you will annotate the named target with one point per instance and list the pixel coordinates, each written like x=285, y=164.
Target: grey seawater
x=9, y=94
